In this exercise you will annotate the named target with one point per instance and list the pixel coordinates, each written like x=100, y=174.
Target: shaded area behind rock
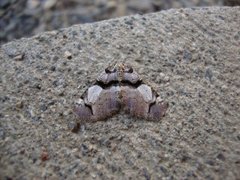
x=24, y=18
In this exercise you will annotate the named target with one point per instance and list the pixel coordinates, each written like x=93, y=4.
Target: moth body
x=120, y=88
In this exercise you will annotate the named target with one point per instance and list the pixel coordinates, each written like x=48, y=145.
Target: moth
x=120, y=88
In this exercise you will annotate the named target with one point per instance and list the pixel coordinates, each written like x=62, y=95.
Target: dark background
x=24, y=18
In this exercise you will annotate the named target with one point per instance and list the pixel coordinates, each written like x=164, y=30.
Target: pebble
x=209, y=74
x=187, y=56
x=224, y=88
x=68, y=55
x=19, y=105
x=19, y=57
x=44, y=154
x=164, y=77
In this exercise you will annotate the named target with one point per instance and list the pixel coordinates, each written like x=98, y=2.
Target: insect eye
x=107, y=71
x=130, y=70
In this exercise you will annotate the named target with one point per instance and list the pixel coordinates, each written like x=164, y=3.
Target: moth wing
x=133, y=102
x=157, y=110
x=146, y=93
x=107, y=78
x=131, y=77
x=93, y=94
x=83, y=112
x=107, y=104
x=102, y=77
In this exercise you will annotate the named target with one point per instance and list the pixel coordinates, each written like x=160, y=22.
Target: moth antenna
x=124, y=60
x=112, y=64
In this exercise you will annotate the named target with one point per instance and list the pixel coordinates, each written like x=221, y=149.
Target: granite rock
x=196, y=49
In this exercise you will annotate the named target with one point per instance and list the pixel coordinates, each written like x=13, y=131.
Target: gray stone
x=196, y=49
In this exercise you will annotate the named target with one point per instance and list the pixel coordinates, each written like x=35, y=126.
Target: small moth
x=119, y=88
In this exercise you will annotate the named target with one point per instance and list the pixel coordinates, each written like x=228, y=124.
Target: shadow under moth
x=119, y=88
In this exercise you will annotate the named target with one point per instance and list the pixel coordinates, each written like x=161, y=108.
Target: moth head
x=129, y=70
x=110, y=70
x=109, y=75
x=129, y=75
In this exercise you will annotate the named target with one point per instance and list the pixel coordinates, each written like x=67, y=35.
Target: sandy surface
x=190, y=56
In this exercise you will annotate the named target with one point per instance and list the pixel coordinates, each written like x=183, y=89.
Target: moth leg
x=83, y=111
x=157, y=110
x=76, y=128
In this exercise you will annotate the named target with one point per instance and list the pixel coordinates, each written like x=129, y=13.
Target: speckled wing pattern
x=120, y=88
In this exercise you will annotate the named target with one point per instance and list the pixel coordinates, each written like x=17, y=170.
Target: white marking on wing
x=146, y=92
x=93, y=93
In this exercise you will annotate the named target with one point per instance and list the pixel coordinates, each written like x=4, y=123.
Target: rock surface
x=191, y=57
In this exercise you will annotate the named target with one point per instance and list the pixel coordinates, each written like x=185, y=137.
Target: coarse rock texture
x=190, y=56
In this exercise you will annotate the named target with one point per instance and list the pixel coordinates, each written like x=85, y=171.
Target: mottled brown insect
x=120, y=88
